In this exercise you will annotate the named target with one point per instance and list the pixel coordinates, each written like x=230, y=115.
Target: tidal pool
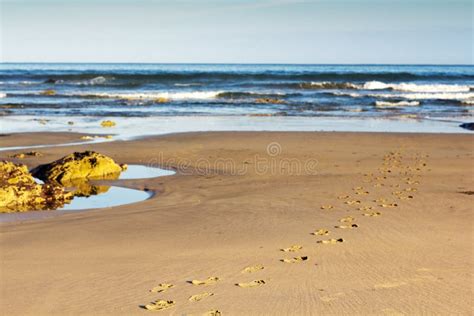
x=92, y=196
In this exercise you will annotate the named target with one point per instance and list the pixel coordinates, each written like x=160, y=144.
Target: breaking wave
x=194, y=95
x=396, y=104
x=412, y=87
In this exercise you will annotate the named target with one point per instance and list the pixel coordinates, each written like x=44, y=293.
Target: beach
x=237, y=200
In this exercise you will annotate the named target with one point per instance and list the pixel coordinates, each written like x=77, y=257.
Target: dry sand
x=223, y=212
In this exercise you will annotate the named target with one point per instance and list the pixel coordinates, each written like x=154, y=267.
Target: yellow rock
x=161, y=100
x=19, y=192
x=79, y=165
x=107, y=123
x=269, y=100
x=27, y=154
x=48, y=92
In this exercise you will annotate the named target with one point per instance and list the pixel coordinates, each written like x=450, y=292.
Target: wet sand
x=237, y=200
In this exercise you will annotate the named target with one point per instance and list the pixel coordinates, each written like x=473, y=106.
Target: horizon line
x=234, y=63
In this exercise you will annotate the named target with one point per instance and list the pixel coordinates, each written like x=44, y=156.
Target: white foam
x=469, y=102
x=193, y=95
x=187, y=84
x=426, y=96
x=2, y=95
x=396, y=104
x=412, y=87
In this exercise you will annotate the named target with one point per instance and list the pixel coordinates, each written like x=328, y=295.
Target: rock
x=269, y=100
x=26, y=155
x=70, y=123
x=19, y=192
x=48, y=92
x=161, y=100
x=107, y=123
x=79, y=165
x=468, y=126
x=82, y=188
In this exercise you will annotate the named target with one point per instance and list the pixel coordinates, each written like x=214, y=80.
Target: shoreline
x=213, y=220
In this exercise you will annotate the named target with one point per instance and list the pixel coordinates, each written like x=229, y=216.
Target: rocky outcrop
x=269, y=100
x=79, y=165
x=19, y=191
x=107, y=123
x=468, y=126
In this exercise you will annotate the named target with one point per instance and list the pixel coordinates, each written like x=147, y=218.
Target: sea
x=334, y=93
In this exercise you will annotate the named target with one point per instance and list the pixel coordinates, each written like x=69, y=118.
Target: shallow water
x=114, y=196
x=143, y=172
x=97, y=196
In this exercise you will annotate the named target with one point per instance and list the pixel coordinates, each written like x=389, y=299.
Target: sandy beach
x=237, y=200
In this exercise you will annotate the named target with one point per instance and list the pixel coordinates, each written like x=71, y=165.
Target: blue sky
x=238, y=31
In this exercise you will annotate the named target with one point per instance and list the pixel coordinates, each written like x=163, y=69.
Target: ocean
x=148, y=90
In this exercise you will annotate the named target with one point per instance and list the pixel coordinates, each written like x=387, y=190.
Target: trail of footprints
x=392, y=165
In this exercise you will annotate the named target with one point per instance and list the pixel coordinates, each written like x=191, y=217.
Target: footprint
x=213, y=312
x=389, y=285
x=253, y=283
x=357, y=188
x=329, y=298
x=330, y=241
x=159, y=305
x=252, y=269
x=199, y=297
x=343, y=197
x=295, y=259
x=347, y=219
x=411, y=189
x=161, y=288
x=381, y=200
x=362, y=192
x=326, y=207
x=208, y=281
x=352, y=202
x=347, y=226
x=292, y=248
x=321, y=232
x=389, y=205
x=365, y=208
x=372, y=214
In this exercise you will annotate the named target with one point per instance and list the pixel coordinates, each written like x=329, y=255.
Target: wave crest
x=412, y=87
x=384, y=104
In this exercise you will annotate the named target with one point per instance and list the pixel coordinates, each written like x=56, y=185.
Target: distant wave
x=124, y=77
x=468, y=102
x=396, y=104
x=187, y=84
x=328, y=85
x=426, y=96
x=100, y=80
x=242, y=95
x=193, y=95
x=412, y=87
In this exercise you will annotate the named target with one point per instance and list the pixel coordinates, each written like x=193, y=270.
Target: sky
x=238, y=31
